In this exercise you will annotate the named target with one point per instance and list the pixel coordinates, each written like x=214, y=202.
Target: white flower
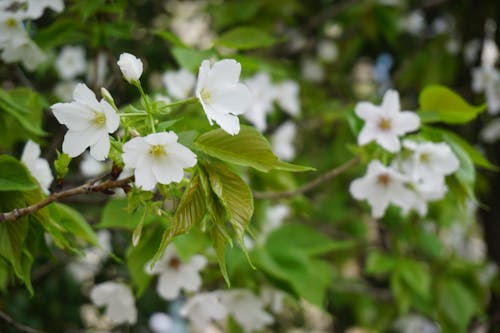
x=38, y=167
x=130, y=66
x=160, y=323
x=282, y=141
x=287, y=96
x=223, y=98
x=98, y=69
x=471, y=50
x=273, y=298
x=426, y=192
x=484, y=77
x=118, y=300
x=180, y=83
x=489, y=54
x=381, y=186
x=64, y=90
x=312, y=70
x=12, y=31
x=493, y=97
x=88, y=122
x=71, y=62
x=36, y=7
x=275, y=215
x=430, y=161
x=384, y=124
x=491, y=132
x=86, y=266
x=157, y=158
x=246, y=309
x=203, y=308
x=263, y=94
x=175, y=274
x=414, y=323
x=27, y=52
x=413, y=23
x=90, y=167
x=327, y=51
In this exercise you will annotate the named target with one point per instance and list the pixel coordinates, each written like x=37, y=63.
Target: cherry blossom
x=38, y=167
x=118, y=300
x=384, y=124
x=203, y=308
x=175, y=275
x=157, y=158
x=130, y=66
x=71, y=62
x=282, y=141
x=180, y=83
x=89, y=123
x=222, y=97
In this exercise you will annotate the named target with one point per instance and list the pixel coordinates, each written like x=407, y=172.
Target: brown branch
x=18, y=326
x=312, y=184
x=88, y=187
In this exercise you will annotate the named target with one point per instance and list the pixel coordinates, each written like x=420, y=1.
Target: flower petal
x=82, y=94
x=144, y=177
x=202, y=77
x=235, y=99
x=167, y=170
x=112, y=119
x=75, y=142
x=100, y=149
x=390, y=102
x=133, y=151
x=367, y=111
x=224, y=72
x=228, y=122
x=405, y=121
x=75, y=116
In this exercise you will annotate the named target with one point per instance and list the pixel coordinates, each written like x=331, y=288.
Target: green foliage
x=248, y=148
x=71, y=221
x=440, y=104
x=190, y=59
x=14, y=176
x=61, y=164
x=243, y=38
x=116, y=214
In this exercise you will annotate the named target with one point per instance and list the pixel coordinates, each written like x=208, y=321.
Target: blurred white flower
x=174, y=274
x=471, y=51
x=491, y=132
x=36, y=8
x=382, y=186
x=385, y=123
x=282, y=141
x=414, y=323
x=157, y=158
x=191, y=23
x=312, y=70
x=223, y=98
x=160, y=323
x=483, y=77
x=426, y=192
x=203, y=308
x=98, y=69
x=88, y=122
x=493, y=97
x=64, y=90
x=273, y=298
x=180, y=83
x=453, y=45
x=413, y=23
x=130, y=66
x=287, y=96
x=430, y=162
x=12, y=31
x=27, y=52
x=263, y=93
x=118, y=300
x=90, y=167
x=246, y=308
x=86, y=266
x=489, y=53
x=71, y=62
x=38, y=167
x=327, y=51
x=275, y=215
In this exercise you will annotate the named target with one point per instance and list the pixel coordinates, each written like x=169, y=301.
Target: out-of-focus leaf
x=244, y=38
x=14, y=176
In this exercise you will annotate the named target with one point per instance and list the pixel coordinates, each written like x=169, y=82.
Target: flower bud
x=130, y=66
x=107, y=96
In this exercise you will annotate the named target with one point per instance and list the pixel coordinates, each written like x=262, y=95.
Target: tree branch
x=88, y=187
x=18, y=326
x=312, y=184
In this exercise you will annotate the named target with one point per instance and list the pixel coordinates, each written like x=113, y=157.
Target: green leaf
x=220, y=238
x=12, y=106
x=417, y=277
x=248, y=148
x=73, y=222
x=456, y=303
x=190, y=59
x=379, y=263
x=169, y=37
x=116, y=215
x=440, y=104
x=61, y=164
x=12, y=235
x=244, y=38
x=14, y=176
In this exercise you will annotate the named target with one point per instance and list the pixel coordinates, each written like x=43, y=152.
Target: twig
x=312, y=184
x=18, y=326
x=89, y=187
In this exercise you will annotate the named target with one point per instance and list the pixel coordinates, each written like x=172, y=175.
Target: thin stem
x=312, y=184
x=144, y=97
x=133, y=114
x=18, y=326
x=152, y=123
x=88, y=187
x=190, y=100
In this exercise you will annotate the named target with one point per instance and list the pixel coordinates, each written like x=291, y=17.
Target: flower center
x=157, y=151
x=205, y=95
x=99, y=119
x=11, y=23
x=174, y=263
x=384, y=179
x=385, y=124
x=425, y=158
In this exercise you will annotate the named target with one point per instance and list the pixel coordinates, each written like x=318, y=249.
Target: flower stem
x=144, y=97
x=190, y=100
x=133, y=114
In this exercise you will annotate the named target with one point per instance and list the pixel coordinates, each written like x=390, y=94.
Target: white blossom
x=118, y=300
x=86, y=266
x=71, y=62
x=88, y=122
x=483, y=77
x=275, y=215
x=282, y=141
x=382, y=186
x=223, y=98
x=491, y=132
x=98, y=69
x=246, y=308
x=36, y=8
x=426, y=192
x=263, y=93
x=312, y=70
x=12, y=31
x=90, y=167
x=203, y=308
x=471, y=51
x=287, y=96
x=27, y=52
x=38, y=167
x=414, y=323
x=130, y=66
x=273, y=298
x=180, y=83
x=430, y=162
x=64, y=90
x=327, y=51
x=175, y=275
x=384, y=124
x=157, y=158
x=493, y=97
x=160, y=323
x=413, y=23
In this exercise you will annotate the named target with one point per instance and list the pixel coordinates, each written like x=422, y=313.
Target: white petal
x=169, y=285
x=389, y=141
x=184, y=157
x=224, y=72
x=31, y=151
x=405, y=121
x=368, y=133
x=162, y=138
x=228, y=122
x=390, y=102
x=134, y=150
x=100, y=149
x=359, y=187
x=112, y=119
x=82, y=94
x=167, y=170
x=202, y=77
x=75, y=142
x=75, y=116
x=236, y=99
x=144, y=177
x=367, y=111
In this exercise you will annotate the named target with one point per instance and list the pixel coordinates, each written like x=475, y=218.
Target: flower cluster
x=416, y=175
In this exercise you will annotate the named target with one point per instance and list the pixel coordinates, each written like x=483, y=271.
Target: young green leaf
x=61, y=164
x=244, y=38
x=14, y=176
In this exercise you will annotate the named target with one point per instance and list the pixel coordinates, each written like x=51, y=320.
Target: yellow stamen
x=99, y=119
x=11, y=23
x=157, y=151
x=205, y=95
x=384, y=124
x=174, y=263
x=384, y=179
x=425, y=158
